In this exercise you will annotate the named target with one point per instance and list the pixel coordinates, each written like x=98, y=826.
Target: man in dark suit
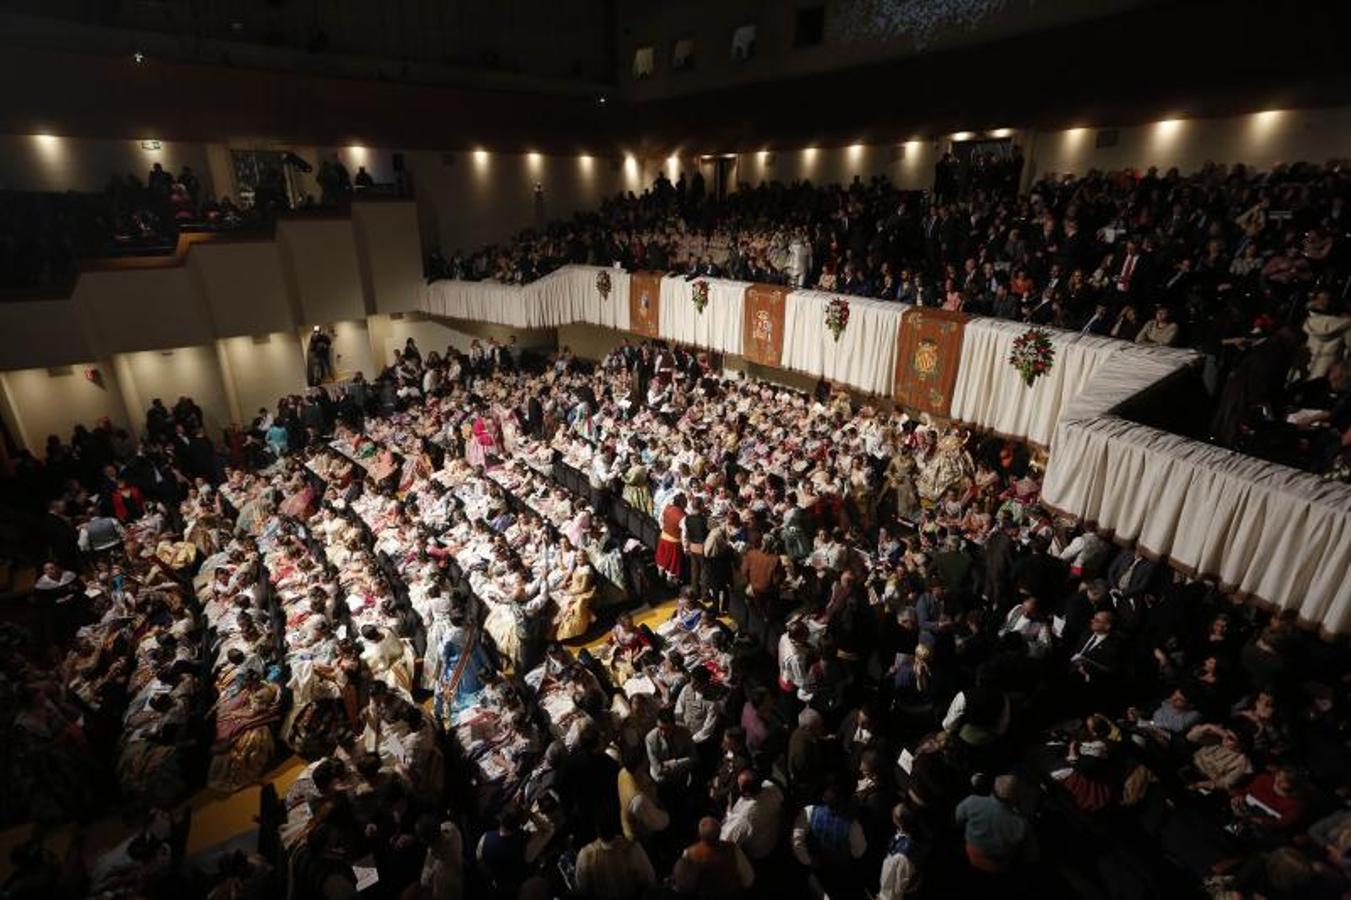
x=1041, y=574
x=1131, y=573
x=1001, y=554
x=1095, y=665
x=958, y=573
x=61, y=537
x=1099, y=323
x=534, y=416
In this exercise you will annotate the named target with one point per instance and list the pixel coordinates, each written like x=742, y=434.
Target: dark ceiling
x=1177, y=59
x=1187, y=58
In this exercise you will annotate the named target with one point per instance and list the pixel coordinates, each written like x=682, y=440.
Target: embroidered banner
x=928, y=352
x=645, y=303
x=762, y=324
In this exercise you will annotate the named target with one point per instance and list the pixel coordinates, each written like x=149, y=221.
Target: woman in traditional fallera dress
x=624, y=648
x=575, y=601
x=947, y=466
x=637, y=493
x=244, y=743
x=462, y=662
x=670, y=556
x=900, y=480
x=480, y=443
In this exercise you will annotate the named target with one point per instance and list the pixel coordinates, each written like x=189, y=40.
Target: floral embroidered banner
x=762, y=324
x=928, y=352
x=645, y=303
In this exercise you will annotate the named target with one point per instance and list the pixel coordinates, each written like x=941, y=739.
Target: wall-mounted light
x=1263, y=122
x=963, y=135
x=49, y=146
x=1001, y=132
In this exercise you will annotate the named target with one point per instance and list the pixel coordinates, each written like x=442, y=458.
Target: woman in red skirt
x=670, y=552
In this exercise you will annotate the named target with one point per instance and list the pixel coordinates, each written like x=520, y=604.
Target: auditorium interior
x=617, y=449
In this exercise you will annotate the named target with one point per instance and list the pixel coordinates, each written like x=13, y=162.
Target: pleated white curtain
x=562, y=297
x=865, y=355
x=570, y=295
x=483, y=301
x=718, y=327
x=990, y=393
x=1268, y=531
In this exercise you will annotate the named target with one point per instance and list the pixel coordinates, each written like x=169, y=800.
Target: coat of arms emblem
x=925, y=359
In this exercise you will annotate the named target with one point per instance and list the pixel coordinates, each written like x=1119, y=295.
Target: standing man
x=321, y=356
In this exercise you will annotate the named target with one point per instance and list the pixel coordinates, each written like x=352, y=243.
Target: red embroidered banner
x=762, y=324
x=645, y=303
x=928, y=351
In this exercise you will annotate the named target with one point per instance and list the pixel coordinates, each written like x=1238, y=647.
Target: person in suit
x=1040, y=573
x=1096, y=663
x=534, y=416
x=1132, y=278
x=1001, y=553
x=61, y=536
x=1099, y=323
x=958, y=573
x=1131, y=573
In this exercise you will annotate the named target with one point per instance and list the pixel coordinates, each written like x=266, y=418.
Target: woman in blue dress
x=462, y=658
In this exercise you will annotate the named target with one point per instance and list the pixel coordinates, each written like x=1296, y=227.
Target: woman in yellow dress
x=575, y=601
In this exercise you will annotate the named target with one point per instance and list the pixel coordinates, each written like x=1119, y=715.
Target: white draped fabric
x=483, y=301
x=563, y=297
x=570, y=296
x=1267, y=531
x=865, y=355
x=718, y=327
x=990, y=393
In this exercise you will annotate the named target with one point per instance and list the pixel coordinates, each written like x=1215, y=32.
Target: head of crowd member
x=666, y=723
x=1101, y=623
x=811, y=722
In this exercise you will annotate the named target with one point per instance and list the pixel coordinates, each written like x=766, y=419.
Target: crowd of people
x=877, y=664
x=44, y=235
x=1251, y=268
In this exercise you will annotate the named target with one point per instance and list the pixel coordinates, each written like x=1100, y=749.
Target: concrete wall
x=263, y=368
x=244, y=286
x=321, y=255
x=45, y=162
x=143, y=309
x=53, y=401
x=389, y=245
x=1261, y=139
x=466, y=200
